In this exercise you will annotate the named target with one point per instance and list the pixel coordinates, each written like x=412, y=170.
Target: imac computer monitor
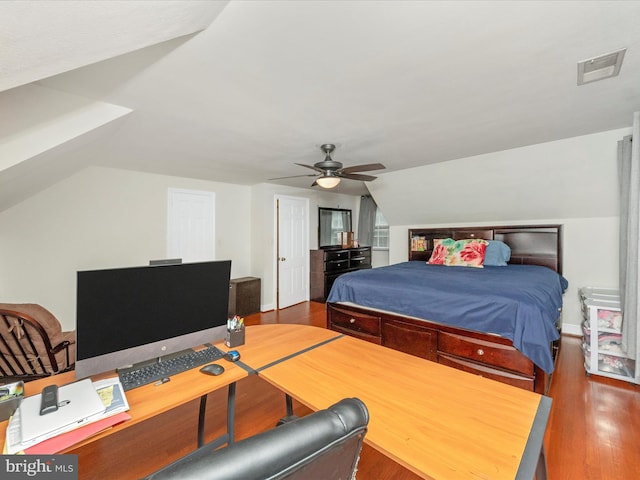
x=130, y=315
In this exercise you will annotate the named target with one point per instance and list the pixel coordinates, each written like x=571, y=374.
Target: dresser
x=327, y=264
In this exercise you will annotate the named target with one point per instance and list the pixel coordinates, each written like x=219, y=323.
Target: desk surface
x=266, y=344
x=437, y=421
x=147, y=401
x=263, y=346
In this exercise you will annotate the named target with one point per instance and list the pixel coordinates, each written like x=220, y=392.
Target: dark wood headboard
x=530, y=244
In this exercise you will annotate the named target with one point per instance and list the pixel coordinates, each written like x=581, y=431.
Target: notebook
x=78, y=404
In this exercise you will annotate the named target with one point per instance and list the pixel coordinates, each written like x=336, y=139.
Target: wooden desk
x=264, y=345
x=147, y=401
x=439, y=422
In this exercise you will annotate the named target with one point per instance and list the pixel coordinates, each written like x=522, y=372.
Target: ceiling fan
x=331, y=171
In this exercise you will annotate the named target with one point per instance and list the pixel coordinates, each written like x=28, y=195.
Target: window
x=380, y=232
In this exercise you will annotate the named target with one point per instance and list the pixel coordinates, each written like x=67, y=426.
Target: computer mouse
x=212, y=369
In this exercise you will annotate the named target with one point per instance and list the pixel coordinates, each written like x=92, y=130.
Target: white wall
x=110, y=218
x=105, y=218
x=379, y=258
x=571, y=178
x=263, y=228
x=572, y=182
x=102, y=218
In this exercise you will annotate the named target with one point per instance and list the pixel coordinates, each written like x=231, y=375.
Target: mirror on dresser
x=332, y=221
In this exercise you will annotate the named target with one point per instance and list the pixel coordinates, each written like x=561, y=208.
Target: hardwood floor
x=593, y=431
x=594, y=428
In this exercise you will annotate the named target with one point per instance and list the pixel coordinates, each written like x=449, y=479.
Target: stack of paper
x=85, y=408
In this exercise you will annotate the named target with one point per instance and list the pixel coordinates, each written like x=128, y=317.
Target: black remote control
x=49, y=399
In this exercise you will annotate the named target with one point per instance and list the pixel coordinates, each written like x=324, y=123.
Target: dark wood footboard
x=484, y=354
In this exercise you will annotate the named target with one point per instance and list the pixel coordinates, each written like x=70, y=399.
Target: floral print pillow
x=458, y=253
x=441, y=247
x=467, y=253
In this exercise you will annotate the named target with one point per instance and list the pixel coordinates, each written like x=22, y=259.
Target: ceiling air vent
x=599, y=68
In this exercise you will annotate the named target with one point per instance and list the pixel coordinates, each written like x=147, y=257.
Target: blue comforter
x=519, y=302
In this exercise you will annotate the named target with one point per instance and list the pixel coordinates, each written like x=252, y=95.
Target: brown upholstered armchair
x=32, y=343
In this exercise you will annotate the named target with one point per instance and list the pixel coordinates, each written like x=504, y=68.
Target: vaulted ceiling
x=240, y=91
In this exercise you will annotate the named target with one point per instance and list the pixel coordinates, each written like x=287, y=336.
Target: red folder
x=67, y=439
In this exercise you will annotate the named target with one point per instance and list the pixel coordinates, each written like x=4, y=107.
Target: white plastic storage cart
x=602, y=345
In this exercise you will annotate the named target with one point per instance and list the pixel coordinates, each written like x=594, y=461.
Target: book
x=418, y=243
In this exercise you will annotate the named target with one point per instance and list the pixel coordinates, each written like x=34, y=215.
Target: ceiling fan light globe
x=328, y=182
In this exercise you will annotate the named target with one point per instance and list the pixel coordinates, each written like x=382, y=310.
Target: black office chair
x=323, y=445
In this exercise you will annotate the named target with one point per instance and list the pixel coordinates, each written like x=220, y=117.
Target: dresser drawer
x=359, y=262
x=330, y=255
x=361, y=252
x=355, y=321
x=335, y=265
x=502, y=356
x=487, y=372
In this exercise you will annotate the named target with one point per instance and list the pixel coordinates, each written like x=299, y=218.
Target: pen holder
x=235, y=337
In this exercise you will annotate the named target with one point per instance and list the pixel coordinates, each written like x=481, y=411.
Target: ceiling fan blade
x=312, y=167
x=295, y=176
x=363, y=168
x=356, y=176
x=331, y=168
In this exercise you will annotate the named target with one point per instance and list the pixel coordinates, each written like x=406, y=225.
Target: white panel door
x=191, y=225
x=292, y=250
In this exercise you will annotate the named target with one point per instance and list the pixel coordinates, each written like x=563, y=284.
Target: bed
x=502, y=322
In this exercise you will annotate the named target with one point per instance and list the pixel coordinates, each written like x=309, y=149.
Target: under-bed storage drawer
x=487, y=372
x=361, y=325
x=410, y=338
x=493, y=354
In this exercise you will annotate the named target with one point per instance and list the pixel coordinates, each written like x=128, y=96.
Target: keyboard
x=148, y=372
